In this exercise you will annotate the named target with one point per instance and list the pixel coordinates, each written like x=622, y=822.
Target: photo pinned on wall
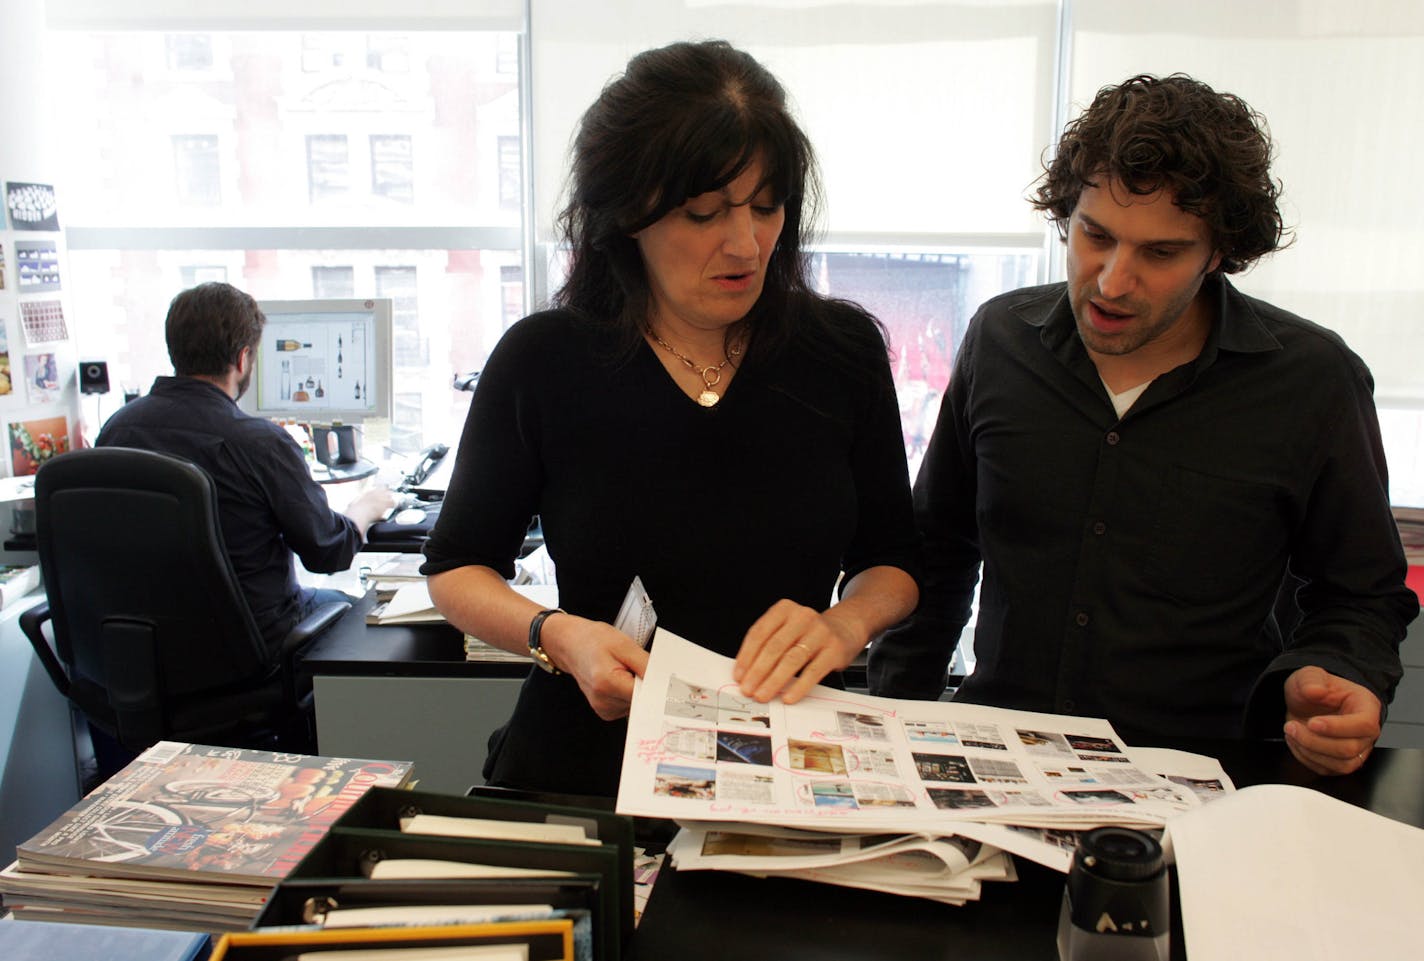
x=41, y=378
x=43, y=321
x=31, y=206
x=5, y=385
x=32, y=442
x=2, y=265
x=36, y=266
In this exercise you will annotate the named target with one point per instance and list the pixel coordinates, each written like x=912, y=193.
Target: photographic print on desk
x=32, y=442
x=32, y=206
x=41, y=378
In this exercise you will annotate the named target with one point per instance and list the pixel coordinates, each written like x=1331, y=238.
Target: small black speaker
x=93, y=377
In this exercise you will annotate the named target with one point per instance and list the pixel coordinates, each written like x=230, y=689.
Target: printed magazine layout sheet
x=697, y=750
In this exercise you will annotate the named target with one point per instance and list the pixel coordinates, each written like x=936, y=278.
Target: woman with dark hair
x=689, y=413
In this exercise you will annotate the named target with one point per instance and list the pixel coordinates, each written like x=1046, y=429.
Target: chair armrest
x=313, y=624
x=32, y=623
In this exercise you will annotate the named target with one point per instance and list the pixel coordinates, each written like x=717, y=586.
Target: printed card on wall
x=43, y=321
x=32, y=442
x=36, y=266
x=5, y=385
x=2, y=265
x=41, y=378
x=32, y=206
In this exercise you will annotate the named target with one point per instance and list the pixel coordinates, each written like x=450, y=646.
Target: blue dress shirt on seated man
x=1143, y=456
x=268, y=504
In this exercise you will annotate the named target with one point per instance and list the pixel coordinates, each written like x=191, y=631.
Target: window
x=328, y=168
x=333, y=282
x=389, y=53
x=198, y=169
x=195, y=275
x=510, y=181
x=189, y=51
x=391, y=167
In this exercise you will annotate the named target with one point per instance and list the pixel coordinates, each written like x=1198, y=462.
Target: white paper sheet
x=1281, y=873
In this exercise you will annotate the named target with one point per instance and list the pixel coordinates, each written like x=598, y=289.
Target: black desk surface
x=353, y=647
x=715, y=915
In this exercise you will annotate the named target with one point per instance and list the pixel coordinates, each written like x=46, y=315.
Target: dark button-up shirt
x=1131, y=565
x=268, y=503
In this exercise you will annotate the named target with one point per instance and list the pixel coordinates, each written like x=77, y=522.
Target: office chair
x=153, y=638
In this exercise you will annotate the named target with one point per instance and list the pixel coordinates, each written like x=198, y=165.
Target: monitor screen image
x=323, y=360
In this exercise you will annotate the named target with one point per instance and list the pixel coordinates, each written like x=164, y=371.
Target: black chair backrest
x=144, y=599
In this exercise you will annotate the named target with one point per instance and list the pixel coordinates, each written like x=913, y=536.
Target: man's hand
x=370, y=506
x=1331, y=723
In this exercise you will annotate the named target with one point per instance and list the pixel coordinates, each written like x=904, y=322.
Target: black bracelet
x=536, y=647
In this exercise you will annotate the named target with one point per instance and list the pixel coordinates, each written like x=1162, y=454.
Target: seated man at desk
x=269, y=505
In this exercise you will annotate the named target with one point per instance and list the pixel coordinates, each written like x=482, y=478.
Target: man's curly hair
x=1209, y=150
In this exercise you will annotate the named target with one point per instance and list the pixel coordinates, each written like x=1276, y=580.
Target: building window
x=388, y=52
x=189, y=51
x=192, y=276
x=506, y=57
x=392, y=169
x=333, y=282
x=197, y=170
x=509, y=172
x=328, y=167
x=511, y=291
x=321, y=52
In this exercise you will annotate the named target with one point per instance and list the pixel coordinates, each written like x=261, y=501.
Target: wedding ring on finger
x=803, y=647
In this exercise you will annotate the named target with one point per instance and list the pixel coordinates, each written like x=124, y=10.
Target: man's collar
x=1236, y=326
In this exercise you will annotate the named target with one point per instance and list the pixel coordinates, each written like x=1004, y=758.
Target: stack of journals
x=403, y=859
x=187, y=837
x=545, y=595
x=921, y=798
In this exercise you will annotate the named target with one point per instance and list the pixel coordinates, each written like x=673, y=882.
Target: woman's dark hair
x=1209, y=150
x=207, y=328
x=683, y=120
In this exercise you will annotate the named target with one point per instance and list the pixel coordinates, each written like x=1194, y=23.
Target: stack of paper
x=411, y=604
x=407, y=858
x=186, y=836
x=917, y=797
x=545, y=595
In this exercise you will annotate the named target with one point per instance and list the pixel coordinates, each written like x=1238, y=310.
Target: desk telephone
x=429, y=460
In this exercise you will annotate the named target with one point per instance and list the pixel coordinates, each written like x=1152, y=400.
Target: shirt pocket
x=1216, y=538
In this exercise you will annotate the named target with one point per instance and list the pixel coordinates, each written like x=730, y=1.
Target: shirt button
x=1113, y=438
x=1100, y=528
x=1081, y=619
x=1069, y=706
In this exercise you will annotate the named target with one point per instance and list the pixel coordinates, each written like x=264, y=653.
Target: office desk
x=406, y=692
x=715, y=915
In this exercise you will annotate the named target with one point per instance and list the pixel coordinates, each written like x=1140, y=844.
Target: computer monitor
x=323, y=360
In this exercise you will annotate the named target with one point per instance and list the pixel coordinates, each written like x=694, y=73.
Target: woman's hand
x=601, y=658
x=790, y=648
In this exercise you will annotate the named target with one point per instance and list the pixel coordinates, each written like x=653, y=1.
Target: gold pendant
x=708, y=398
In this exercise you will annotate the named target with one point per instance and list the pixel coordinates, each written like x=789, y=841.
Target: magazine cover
x=184, y=811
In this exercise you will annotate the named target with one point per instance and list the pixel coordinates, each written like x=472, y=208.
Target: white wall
x=37, y=776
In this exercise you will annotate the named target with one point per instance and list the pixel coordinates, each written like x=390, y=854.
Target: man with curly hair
x=1177, y=492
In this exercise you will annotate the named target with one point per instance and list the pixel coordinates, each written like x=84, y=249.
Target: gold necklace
x=711, y=375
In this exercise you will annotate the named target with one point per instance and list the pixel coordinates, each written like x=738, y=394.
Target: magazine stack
x=187, y=837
